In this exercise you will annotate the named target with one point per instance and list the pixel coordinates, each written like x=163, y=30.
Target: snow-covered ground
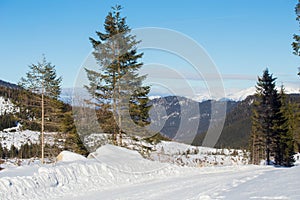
x=6, y=106
x=117, y=173
x=19, y=138
x=192, y=156
x=174, y=152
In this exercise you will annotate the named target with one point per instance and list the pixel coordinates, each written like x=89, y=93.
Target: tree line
x=25, y=151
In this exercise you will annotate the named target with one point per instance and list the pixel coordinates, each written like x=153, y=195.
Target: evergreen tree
x=287, y=129
x=296, y=43
x=265, y=113
x=73, y=141
x=7, y=121
x=42, y=79
x=117, y=81
x=13, y=153
x=257, y=138
x=271, y=127
x=1, y=152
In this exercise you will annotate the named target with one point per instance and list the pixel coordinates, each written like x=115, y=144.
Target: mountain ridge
x=233, y=95
x=8, y=85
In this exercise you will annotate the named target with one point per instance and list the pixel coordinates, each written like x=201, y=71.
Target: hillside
x=8, y=85
x=24, y=107
x=237, y=126
x=183, y=117
x=20, y=124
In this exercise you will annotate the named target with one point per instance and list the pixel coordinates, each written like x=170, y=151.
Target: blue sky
x=242, y=37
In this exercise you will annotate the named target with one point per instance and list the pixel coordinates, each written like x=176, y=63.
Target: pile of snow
x=128, y=160
x=179, y=153
x=113, y=166
x=187, y=155
x=7, y=107
x=19, y=167
x=67, y=156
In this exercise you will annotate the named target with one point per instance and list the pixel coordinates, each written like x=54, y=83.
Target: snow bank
x=67, y=156
x=192, y=156
x=113, y=166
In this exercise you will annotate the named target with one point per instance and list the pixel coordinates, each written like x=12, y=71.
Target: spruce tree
x=296, y=43
x=265, y=114
x=287, y=128
x=42, y=79
x=117, y=82
x=73, y=141
x=257, y=137
x=271, y=127
x=1, y=152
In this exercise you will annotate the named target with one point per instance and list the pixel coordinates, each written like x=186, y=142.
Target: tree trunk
x=268, y=150
x=119, y=106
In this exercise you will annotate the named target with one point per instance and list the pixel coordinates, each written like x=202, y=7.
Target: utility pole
x=43, y=144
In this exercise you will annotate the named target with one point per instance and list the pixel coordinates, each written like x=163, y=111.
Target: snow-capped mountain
x=239, y=94
x=244, y=93
x=232, y=94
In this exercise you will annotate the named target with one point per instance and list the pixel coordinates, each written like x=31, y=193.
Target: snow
x=244, y=93
x=67, y=156
x=239, y=94
x=19, y=138
x=118, y=173
x=16, y=128
x=297, y=158
x=7, y=107
x=192, y=156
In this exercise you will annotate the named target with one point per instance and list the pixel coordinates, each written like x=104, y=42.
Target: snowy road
x=118, y=173
x=244, y=183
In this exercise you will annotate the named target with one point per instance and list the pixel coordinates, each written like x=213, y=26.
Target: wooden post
x=43, y=144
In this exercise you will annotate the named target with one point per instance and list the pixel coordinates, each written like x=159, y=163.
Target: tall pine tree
x=42, y=79
x=265, y=112
x=117, y=83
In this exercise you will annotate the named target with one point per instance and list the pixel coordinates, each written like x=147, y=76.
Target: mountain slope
x=8, y=85
x=237, y=127
x=183, y=118
x=26, y=108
